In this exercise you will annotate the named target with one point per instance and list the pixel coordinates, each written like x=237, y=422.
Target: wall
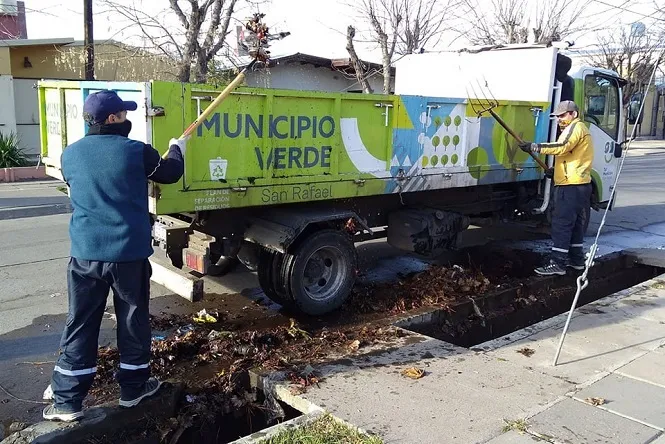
x=7, y=115
x=308, y=78
x=112, y=62
x=5, y=62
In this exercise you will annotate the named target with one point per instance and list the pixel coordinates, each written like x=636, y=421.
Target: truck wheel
x=267, y=270
x=320, y=273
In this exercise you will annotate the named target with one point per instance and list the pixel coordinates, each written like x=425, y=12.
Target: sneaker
x=48, y=394
x=150, y=387
x=551, y=269
x=52, y=413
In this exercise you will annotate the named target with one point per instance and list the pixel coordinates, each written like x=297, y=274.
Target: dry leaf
x=526, y=351
x=413, y=373
x=595, y=401
x=355, y=345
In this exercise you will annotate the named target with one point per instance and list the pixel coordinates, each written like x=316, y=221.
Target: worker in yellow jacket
x=572, y=181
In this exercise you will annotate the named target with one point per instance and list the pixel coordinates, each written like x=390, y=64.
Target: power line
x=623, y=8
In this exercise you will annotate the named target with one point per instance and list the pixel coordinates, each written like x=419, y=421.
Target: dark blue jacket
x=107, y=175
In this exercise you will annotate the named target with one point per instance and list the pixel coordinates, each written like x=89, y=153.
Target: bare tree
x=499, y=22
x=385, y=18
x=193, y=44
x=358, y=67
x=632, y=53
x=402, y=27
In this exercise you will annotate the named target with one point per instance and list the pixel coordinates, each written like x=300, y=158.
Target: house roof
x=12, y=43
x=338, y=64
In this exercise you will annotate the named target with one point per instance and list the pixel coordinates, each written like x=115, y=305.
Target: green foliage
x=325, y=430
x=10, y=153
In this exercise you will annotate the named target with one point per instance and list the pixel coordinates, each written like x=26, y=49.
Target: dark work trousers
x=89, y=283
x=568, y=222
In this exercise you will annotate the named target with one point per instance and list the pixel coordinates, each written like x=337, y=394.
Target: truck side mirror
x=618, y=148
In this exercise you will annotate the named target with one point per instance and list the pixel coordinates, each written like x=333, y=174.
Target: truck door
x=601, y=110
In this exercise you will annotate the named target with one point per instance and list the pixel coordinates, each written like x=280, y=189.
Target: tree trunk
x=386, y=67
x=184, y=72
x=357, y=66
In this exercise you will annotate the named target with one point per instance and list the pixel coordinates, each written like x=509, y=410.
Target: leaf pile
x=437, y=287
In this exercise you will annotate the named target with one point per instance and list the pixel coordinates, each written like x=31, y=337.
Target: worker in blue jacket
x=110, y=229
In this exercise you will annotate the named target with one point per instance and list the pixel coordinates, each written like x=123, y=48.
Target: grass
x=324, y=430
x=519, y=425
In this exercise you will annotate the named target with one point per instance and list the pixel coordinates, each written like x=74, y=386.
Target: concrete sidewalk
x=493, y=394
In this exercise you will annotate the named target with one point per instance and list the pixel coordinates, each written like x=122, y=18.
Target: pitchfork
x=487, y=105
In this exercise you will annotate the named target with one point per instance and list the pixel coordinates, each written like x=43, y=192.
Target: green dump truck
x=287, y=181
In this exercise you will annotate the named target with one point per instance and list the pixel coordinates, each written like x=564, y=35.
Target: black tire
x=269, y=263
x=320, y=273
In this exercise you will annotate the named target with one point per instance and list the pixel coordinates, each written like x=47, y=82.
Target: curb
x=271, y=432
x=22, y=173
x=102, y=420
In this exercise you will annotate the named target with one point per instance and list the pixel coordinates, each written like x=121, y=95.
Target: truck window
x=601, y=104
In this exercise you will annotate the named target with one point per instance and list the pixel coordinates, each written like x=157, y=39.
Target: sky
x=317, y=27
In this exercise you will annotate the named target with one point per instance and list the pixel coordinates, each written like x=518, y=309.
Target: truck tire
x=320, y=273
x=268, y=268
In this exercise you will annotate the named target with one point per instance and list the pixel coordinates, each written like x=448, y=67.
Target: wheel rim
x=324, y=273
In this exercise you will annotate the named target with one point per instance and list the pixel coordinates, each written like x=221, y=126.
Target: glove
x=529, y=147
x=180, y=143
x=549, y=173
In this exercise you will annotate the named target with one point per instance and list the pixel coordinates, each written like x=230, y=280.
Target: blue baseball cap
x=101, y=104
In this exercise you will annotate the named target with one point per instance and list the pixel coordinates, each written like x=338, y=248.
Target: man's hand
x=529, y=147
x=180, y=143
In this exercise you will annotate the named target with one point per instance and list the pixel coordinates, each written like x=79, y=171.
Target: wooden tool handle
x=215, y=103
x=518, y=138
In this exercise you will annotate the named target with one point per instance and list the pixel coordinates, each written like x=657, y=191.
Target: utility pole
x=89, y=42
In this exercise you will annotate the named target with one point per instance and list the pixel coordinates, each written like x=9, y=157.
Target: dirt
x=213, y=359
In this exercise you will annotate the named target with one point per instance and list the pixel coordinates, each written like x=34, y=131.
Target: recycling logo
x=218, y=172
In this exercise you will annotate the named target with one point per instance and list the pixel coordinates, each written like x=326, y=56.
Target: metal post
x=88, y=41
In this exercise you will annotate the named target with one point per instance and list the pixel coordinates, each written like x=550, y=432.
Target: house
x=25, y=61
x=308, y=72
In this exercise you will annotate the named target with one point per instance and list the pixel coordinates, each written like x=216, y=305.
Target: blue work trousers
x=569, y=222
x=89, y=283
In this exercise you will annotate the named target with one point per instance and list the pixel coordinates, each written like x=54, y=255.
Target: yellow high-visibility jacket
x=574, y=155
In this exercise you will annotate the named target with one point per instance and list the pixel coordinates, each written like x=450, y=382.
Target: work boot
x=150, y=387
x=552, y=268
x=53, y=413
